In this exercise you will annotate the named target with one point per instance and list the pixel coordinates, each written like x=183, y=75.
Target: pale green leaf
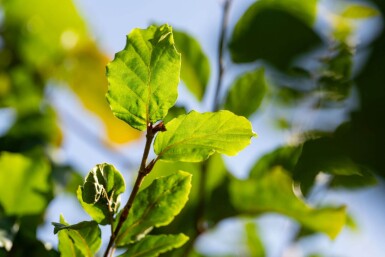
x=195, y=71
x=247, y=92
x=144, y=76
x=274, y=193
x=79, y=240
x=24, y=189
x=156, y=206
x=100, y=192
x=358, y=11
x=152, y=246
x=196, y=136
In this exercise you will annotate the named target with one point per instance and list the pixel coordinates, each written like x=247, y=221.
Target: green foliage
x=276, y=31
x=194, y=137
x=358, y=11
x=253, y=239
x=273, y=193
x=251, y=87
x=152, y=246
x=26, y=190
x=195, y=70
x=156, y=206
x=82, y=239
x=143, y=77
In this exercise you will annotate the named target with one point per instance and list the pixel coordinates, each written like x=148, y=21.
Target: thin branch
x=220, y=61
x=142, y=173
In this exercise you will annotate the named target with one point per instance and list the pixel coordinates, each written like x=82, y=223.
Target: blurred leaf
x=364, y=179
x=327, y=155
x=32, y=130
x=358, y=11
x=84, y=71
x=195, y=70
x=274, y=30
x=26, y=186
x=152, y=246
x=66, y=178
x=144, y=76
x=253, y=240
x=156, y=206
x=100, y=192
x=285, y=156
x=80, y=240
x=274, y=193
x=195, y=136
x=174, y=112
x=251, y=87
x=335, y=79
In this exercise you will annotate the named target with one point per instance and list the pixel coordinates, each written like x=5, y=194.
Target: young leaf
x=79, y=240
x=100, y=192
x=274, y=193
x=251, y=88
x=195, y=136
x=358, y=11
x=152, y=246
x=156, y=206
x=276, y=31
x=144, y=76
x=195, y=71
x=253, y=240
x=25, y=188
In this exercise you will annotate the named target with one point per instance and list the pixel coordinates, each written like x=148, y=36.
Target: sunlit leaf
x=195, y=136
x=358, y=11
x=195, y=71
x=156, y=206
x=247, y=92
x=152, y=246
x=274, y=30
x=144, y=76
x=100, y=192
x=274, y=193
x=78, y=240
x=24, y=189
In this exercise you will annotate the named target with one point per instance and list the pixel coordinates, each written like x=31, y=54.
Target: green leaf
x=358, y=11
x=152, y=246
x=253, y=240
x=144, y=76
x=25, y=187
x=195, y=136
x=156, y=206
x=80, y=240
x=100, y=192
x=274, y=193
x=195, y=71
x=324, y=154
x=285, y=156
x=251, y=87
x=274, y=30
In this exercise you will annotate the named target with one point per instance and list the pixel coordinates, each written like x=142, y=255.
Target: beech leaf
x=155, y=206
x=152, y=246
x=144, y=76
x=195, y=136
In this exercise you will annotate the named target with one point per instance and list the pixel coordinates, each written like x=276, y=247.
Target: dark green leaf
x=144, y=76
x=152, y=246
x=195, y=71
x=100, y=192
x=79, y=240
x=195, y=136
x=274, y=193
x=277, y=31
x=247, y=92
x=156, y=206
x=25, y=186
